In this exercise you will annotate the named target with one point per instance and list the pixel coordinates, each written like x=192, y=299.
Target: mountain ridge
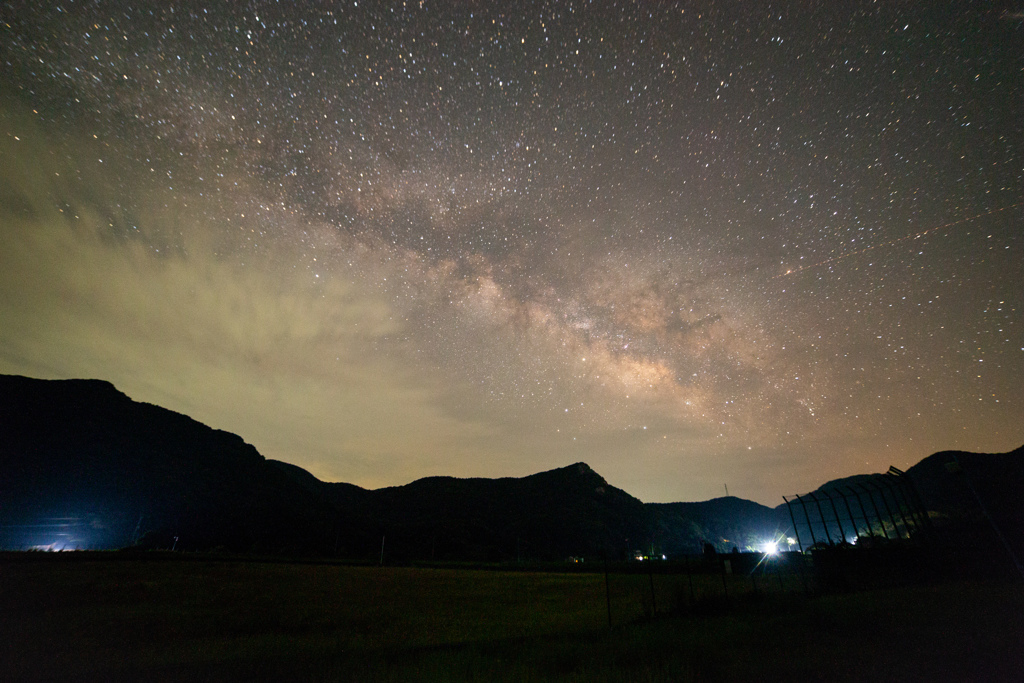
x=132, y=473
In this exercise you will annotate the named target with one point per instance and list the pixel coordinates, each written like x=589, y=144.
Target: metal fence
x=865, y=510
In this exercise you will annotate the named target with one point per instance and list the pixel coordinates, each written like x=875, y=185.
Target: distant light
x=771, y=547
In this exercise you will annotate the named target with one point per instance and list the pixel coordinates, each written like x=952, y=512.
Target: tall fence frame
x=888, y=505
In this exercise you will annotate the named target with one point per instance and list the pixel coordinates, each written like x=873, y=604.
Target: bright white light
x=771, y=547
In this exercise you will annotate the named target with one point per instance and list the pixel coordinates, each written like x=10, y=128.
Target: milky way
x=761, y=245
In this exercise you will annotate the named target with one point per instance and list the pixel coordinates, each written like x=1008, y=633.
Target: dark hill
x=551, y=515
x=975, y=500
x=82, y=465
x=725, y=522
x=945, y=481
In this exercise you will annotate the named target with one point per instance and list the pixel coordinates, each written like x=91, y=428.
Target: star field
x=688, y=243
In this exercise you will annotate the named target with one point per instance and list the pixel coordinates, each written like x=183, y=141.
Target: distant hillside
x=725, y=522
x=82, y=465
x=570, y=511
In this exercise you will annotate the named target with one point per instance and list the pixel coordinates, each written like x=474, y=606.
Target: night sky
x=755, y=244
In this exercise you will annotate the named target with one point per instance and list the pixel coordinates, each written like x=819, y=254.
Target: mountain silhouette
x=84, y=466
x=683, y=528
x=571, y=511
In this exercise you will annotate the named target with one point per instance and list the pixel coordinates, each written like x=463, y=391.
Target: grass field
x=116, y=619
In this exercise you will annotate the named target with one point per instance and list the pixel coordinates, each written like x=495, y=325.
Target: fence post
x=650, y=575
x=803, y=575
x=863, y=511
x=899, y=476
x=607, y=591
x=849, y=511
x=842, y=531
x=888, y=511
x=689, y=578
x=814, y=539
x=896, y=502
x=789, y=506
x=725, y=586
x=821, y=514
x=871, y=499
x=918, y=503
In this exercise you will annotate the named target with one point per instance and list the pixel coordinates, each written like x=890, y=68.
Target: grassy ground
x=210, y=620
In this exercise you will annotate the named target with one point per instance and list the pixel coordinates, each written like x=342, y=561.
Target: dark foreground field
x=94, y=618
